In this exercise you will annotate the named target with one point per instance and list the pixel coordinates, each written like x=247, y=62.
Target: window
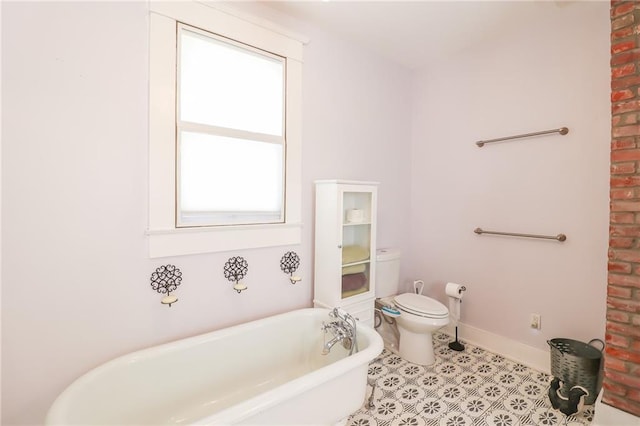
x=224, y=131
x=230, y=138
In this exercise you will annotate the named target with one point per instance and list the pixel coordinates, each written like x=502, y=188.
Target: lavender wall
x=75, y=276
x=549, y=73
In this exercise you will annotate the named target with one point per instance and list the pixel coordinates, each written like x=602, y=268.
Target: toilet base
x=416, y=347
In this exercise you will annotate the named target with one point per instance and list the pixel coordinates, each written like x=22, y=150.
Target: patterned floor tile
x=471, y=387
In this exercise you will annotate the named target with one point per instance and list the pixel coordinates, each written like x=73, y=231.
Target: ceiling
x=416, y=33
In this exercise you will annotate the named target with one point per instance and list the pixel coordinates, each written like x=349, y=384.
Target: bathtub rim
x=57, y=413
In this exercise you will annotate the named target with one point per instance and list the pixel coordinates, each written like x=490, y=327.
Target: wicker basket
x=577, y=364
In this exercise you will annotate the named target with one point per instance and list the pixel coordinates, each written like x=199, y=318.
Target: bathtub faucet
x=343, y=329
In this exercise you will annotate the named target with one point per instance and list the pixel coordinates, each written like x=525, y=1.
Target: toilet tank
x=387, y=271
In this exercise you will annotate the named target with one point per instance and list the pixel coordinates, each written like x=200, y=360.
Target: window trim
x=165, y=239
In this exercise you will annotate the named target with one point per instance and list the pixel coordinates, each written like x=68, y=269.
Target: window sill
x=184, y=241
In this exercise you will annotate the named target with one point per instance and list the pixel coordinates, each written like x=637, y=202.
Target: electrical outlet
x=535, y=322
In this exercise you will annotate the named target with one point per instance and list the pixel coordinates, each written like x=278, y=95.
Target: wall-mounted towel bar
x=561, y=130
x=559, y=237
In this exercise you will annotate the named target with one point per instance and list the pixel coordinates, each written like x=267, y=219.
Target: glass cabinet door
x=356, y=243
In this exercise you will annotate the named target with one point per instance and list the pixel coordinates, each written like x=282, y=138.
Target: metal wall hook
x=164, y=280
x=234, y=270
x=289, y=263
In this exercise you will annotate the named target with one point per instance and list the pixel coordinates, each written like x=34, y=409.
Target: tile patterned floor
x=473, y=387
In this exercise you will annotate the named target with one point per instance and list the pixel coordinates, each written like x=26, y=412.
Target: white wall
x=75, y=270
x=552, y=72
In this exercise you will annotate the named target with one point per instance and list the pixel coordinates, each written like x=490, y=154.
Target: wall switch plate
x=535, y=322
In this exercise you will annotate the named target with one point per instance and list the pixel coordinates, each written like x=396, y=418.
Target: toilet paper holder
x=455, y=290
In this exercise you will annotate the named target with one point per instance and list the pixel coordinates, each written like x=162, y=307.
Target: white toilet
x=420, y=315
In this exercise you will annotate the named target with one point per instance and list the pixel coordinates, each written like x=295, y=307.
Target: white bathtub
x=269, y=371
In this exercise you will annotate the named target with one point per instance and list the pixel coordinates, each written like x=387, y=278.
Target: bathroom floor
x=472, y=387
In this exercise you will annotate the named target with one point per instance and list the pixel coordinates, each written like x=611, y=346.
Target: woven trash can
x=577, y=364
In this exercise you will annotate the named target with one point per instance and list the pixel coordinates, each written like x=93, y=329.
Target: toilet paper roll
x=455, y=293
x=454, y=290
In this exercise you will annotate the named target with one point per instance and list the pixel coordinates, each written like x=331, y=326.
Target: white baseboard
x=607, y=415
x=516, y=351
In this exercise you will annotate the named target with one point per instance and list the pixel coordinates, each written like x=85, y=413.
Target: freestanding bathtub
x=269, y=371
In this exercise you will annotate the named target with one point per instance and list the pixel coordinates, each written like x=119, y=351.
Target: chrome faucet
x=343, y=329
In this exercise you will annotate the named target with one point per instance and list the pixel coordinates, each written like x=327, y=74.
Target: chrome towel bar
x=559, y=237
x=561, y=130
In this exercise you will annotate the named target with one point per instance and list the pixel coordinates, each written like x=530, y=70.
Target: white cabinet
x=345, y=247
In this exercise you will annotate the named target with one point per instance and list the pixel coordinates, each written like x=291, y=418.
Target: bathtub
x=269, y=371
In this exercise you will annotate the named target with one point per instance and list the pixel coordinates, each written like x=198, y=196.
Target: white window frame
x=165, y=239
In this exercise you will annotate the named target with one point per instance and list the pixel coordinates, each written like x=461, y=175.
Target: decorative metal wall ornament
x=164, y=280
x=234, y=270
x=289, y=264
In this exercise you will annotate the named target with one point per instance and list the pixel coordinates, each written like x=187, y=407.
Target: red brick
x=625, y=206
x=623, y=354
x=626, y=305
x=624, y=230
x=625, y=155
x=628, y=142
x=619, y=267
x=618, y=316
x=623, y=120
x=625, y=255
x=623, y=305
x=626, y=82
x=619, y=292
x=621, y=194
x=623, y=379
x=622, y=218
x=623, y=281
x=635, y=345
x=622, y=107
x=623, y=71
x=621, y=22
x=623, y=46
x=615, y=364
x=634, y=394
x=621, y=33
x=633, y=130
x=621, y=95
x=627, y=57
x=616, y=340
x=623, y=168
x=621, y=9
x=614, y=388
x=631, y=118
x=624, y=181
x=621, y=403
x=620, y=243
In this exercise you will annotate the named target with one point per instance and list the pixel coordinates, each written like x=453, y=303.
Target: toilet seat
x=419, y=305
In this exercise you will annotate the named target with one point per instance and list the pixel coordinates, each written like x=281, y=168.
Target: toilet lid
x=421, y=305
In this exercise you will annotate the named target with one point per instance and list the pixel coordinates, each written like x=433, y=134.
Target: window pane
x=228, y=86
x=229, y=181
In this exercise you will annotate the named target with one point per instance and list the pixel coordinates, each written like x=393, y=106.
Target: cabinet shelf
x=356, y=223
x=362, y=262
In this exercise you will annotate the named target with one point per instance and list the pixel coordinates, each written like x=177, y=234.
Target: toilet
x=420, y=316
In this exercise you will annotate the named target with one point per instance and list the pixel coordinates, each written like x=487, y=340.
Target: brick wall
x=622, y=353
